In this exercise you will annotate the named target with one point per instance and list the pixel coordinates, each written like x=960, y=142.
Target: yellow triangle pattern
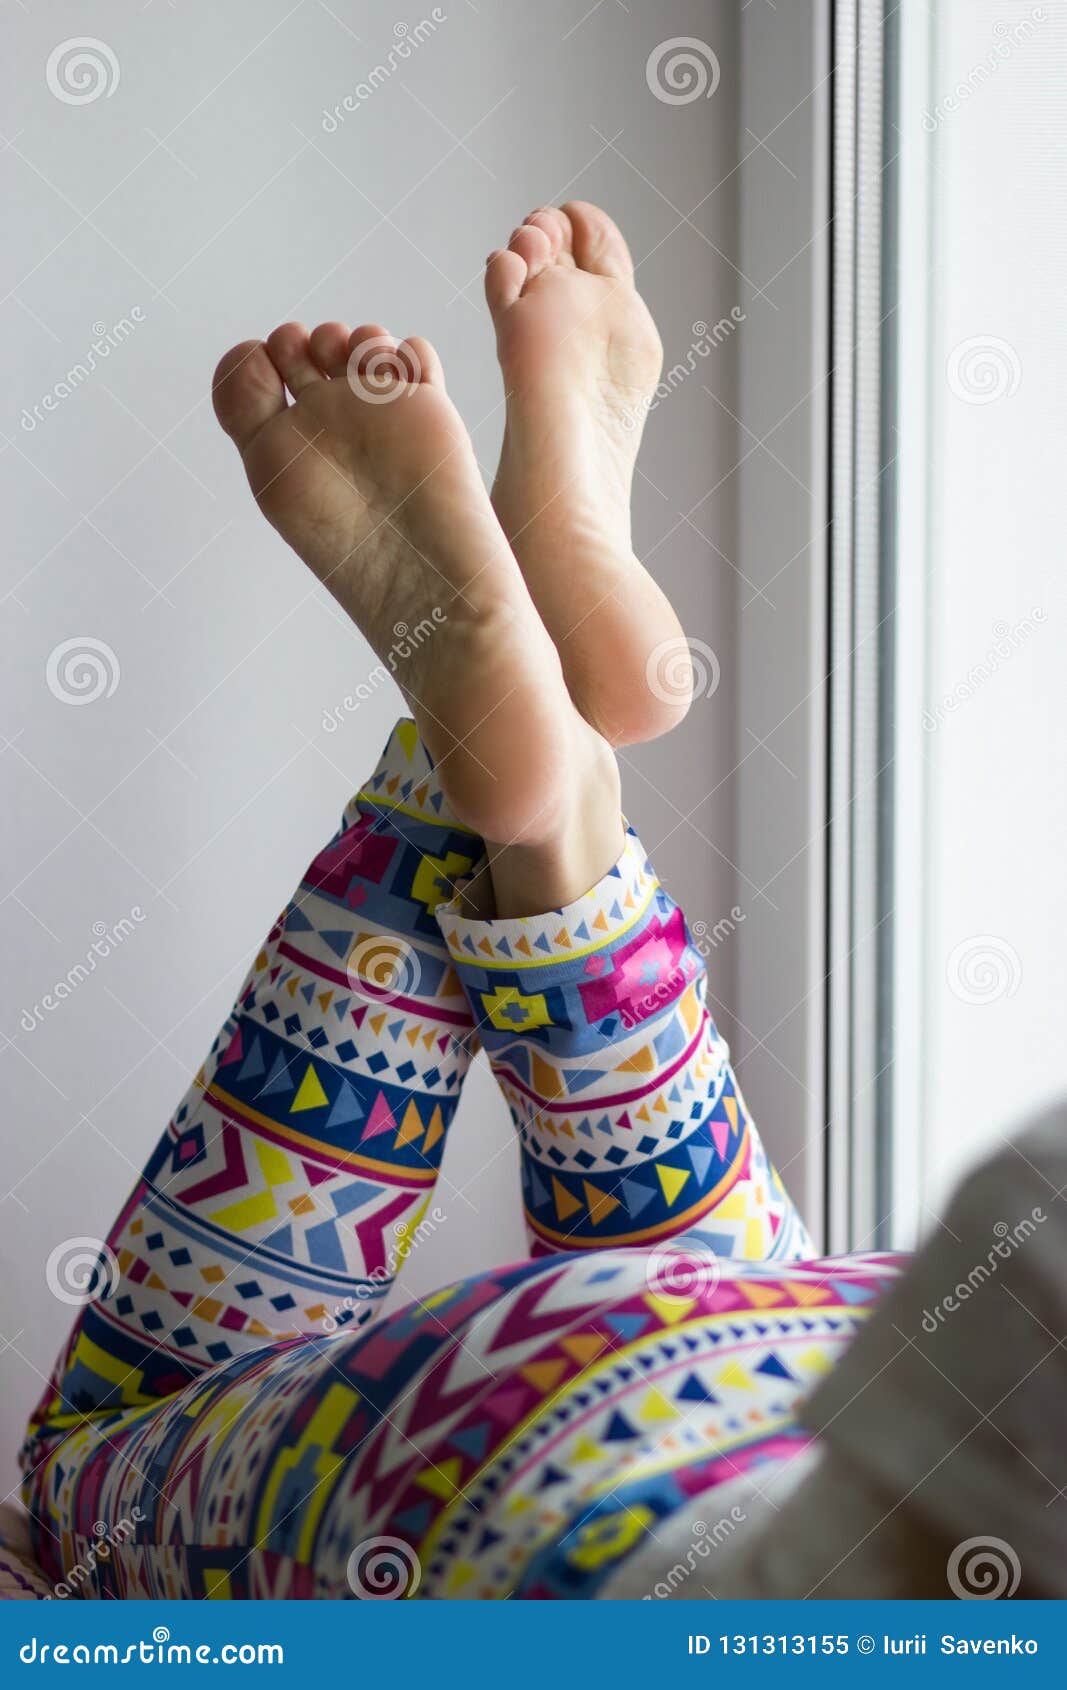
x=734, y=1377
x=442, y=1479
x=601, y=1203
x=310, y=1094
x=672, y=1180
x=655, y=1409
x=669, y=1310
x=566, y=1205
x=435, y=1130
x=411, y=1126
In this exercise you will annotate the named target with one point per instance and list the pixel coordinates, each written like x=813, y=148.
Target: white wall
x=205, y=192
x=993, y=973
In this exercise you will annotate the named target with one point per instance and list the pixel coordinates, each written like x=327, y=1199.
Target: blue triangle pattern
x=254, y=1064
x=346, y=1107
x=636, y=1197
x=339, y=941
x=280, y=1078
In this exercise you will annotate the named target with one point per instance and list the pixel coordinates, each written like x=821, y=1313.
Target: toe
x=549, y=225
x=366, y=345
x=246, y=391
x=329, y=347
x=419, y=358
x=505, y=273
x=533, y=246
x=291, y=357
x=375, y=364
x=598, y=246
x=566, y=232
x=552, y=222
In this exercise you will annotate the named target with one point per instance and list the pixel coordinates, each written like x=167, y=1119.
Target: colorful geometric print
x=518, y=1435
x=632, y=1126
x=307, y=1147
x=577, y=1562
x=281, y=1199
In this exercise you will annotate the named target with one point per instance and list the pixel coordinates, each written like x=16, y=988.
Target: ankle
x=583, y=838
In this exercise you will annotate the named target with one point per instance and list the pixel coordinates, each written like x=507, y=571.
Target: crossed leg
x=216, y=1403
x=210, y=1400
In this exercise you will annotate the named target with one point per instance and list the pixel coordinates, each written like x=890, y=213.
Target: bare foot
x=581, y=357
x=370, y=476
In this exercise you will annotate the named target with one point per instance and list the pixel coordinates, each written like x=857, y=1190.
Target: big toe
x=596, y=241
x=246, y=391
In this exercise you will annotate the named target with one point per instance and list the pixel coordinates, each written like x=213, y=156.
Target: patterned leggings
x=220, y=1424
